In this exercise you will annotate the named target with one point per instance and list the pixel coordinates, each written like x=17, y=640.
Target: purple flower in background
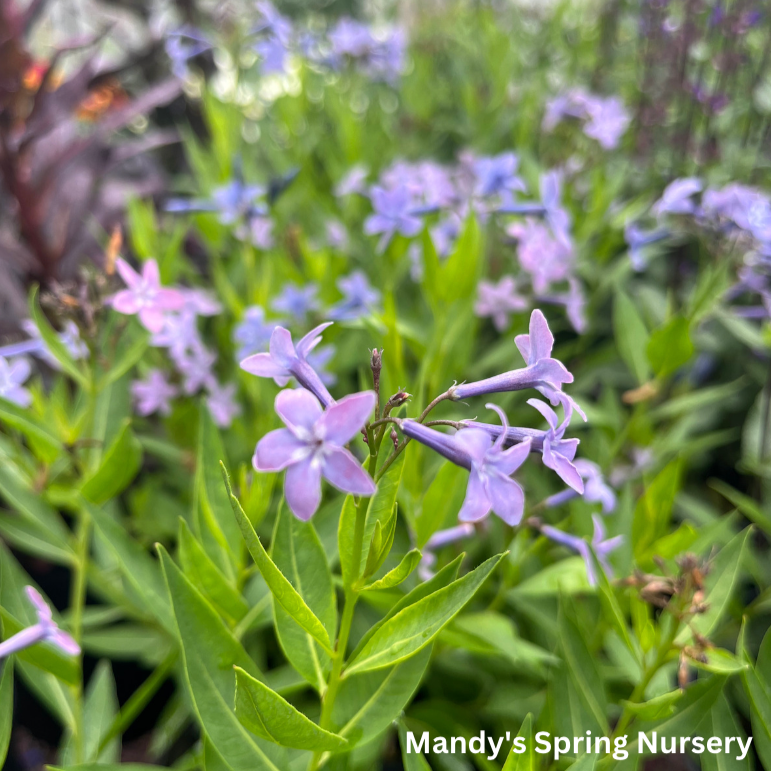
x=144, y=295
x=252, y=334
x=353, y=182
x=222, y=404
x=438, y=540
x=637, y=240
x=182, y=45
x=497, y=175
x=349, y=37
x=571, y=104
x=490, y=486
x=677, y=197
x=312, y=446
x=394, y=213
x=545, y=258
x=195, y=366
x=336, y=235
x=237, y=200
x=545, y=374
x=69, y=336
x=179, y=334
x=608, y=121
x=199, y=302
x=286, y=360
x=558, y=452
x=45, y=630
x=13, y=374
x=258, y=231
x=498, y=301
x=574, y=302
x=359, y=298
x=556, y=215
x=297, y=301
x=601, y=547
x=595, y=488
x=153, y=394
x=274, y=54
x=445, y=233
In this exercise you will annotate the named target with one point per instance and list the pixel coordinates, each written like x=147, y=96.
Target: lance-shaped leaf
x=209, y=653
x=394, y=577
x=206, y=576
x=268, y=715
x=527, y=760
x=6, y=707
x=297, y=552
x=416, y=626
x=46, y=445
x=283, y=591
x=382, y=541
x=118, y=468
x=412, y=761
x=760, y=714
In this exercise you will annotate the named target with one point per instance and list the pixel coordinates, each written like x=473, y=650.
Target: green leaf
x=107, y=767
x=6, y=708
x=368, y=703
x=209, y=653
x=582, y=665
x=631, y=336
x=118, y=468
x=57, y=348
x=654, y=509
x=721, y=722
x=412, y=761
x=33, y=538
x=567, y=576
x=760, y=714
x=670, y=346
x=720, y=661
x=413, y=628
x=206, y=576
x=527, y=760
x=217, y=531
x=380, y=546
x=744, y=503
x=349, y=566
x=268, y=715
x=719, y=585
x=658, y=708
x=47, y=446
x=128, y=354
x=394, y=577
x=283, y=591
x=297, y=552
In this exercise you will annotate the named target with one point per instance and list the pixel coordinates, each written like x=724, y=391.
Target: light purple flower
x=573, y=301
x=499, y=300
x=438, y=540
x=258, y=231
x=677, y=197
x=297, y=301
x=637, y=240
x=45, y=630
x=445, y=233
x=153, y=394
x=395, y=212
x=236, y=200
x=179, y=334
x=497, y=175
x=69, y=336
x=286, y=360
x=199, y=302
x=601, y=547
x=195, y=366
x=144, y=295
x=354, y=181
x=595, y=488
x=545, y=374
x=312, y=446
x=13, y=374
x=222, y=404
x=319, y=358
x=252, y=333
x=274, y=54
x=490, y=486
x=336, y=235
x=546, y=259
x=359, y=298
x=608, y=121
x=182, y=45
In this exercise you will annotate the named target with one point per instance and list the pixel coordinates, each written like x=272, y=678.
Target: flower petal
x=64, y=642
x=312, y=339
x=474, y=441
x=523, y=345
x=41, y=606
x=545, y=410
x=476, y=505
x=302, y=488
x=130, y=277
x=152, y=319
x=150, y=273
x=541, y=338
x=125, y=302
x=281, y=347
x=507, y=498
x=263, y=365
x=341, y=469
x=277, y=450
x=299, y=409
x=344, y=419
x=508, y=461
x=563, y=467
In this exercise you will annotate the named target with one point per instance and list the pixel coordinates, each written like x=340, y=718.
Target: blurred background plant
x=424, y=175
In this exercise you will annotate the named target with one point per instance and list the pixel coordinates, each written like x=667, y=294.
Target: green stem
x=138, y=701
x=351, y=596
x=77, y=603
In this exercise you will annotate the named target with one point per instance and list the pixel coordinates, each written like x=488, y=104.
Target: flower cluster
x=604, y=119
x=171, y=315
x=317, y=429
